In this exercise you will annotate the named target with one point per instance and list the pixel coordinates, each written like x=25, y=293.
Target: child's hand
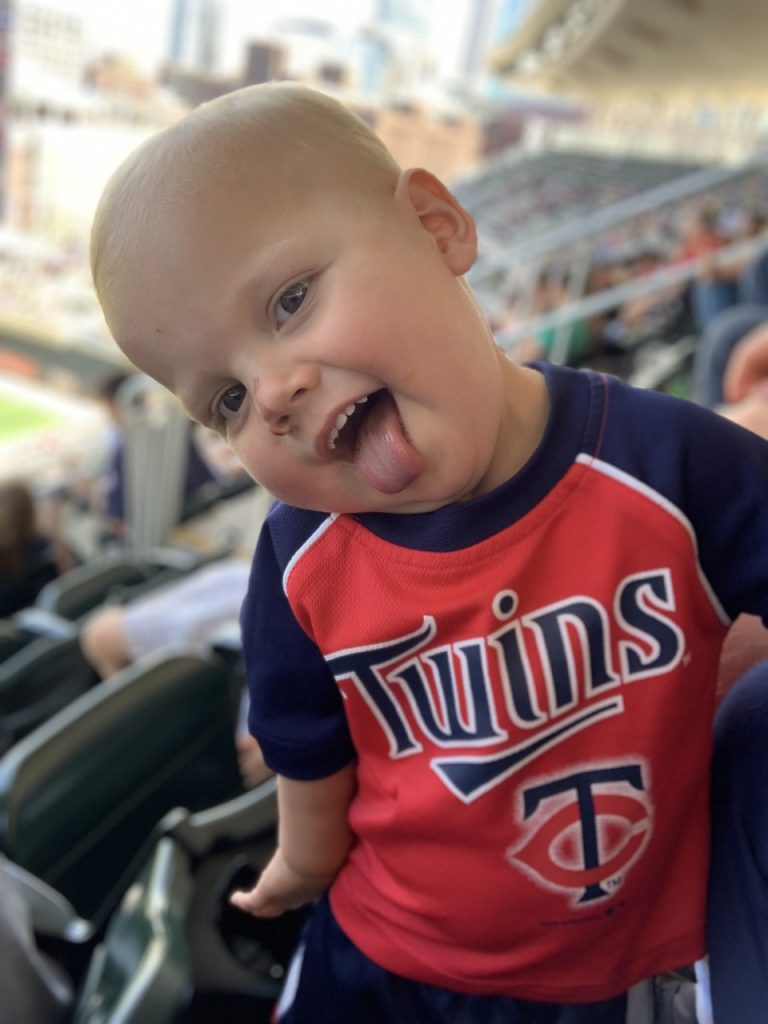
x=278, y=889
x=314, y=840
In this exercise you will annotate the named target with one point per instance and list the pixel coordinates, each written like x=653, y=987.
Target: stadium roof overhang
x=610, y=48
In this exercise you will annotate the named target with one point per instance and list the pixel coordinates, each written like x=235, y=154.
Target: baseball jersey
x=527, y=682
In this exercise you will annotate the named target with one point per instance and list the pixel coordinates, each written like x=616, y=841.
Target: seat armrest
x=234, y=821
x=51, y=913
x=42, y=622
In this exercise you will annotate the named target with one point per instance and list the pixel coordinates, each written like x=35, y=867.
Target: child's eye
x=229, y=403
x=289, y=301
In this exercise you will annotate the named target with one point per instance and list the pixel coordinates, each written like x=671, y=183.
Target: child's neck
x=526, y=412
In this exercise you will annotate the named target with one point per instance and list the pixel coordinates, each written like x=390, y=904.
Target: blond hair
x=297, y=128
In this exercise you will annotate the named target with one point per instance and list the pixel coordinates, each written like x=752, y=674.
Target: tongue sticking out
x=383, y=455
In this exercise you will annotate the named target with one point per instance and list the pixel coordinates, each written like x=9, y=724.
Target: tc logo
x=586, y=831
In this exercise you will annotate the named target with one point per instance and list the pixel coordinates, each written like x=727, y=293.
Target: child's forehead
x=257, y=177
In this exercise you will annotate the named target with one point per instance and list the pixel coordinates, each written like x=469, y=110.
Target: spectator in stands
x=750, y=273
x=729, y=327
x=657, y=314
x=720, y=289
x=496, y=639
x=30, y=556
x=714, y=289
x=189, y=612
x=566, y=343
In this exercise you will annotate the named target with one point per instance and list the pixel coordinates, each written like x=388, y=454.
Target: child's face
x=337, y=350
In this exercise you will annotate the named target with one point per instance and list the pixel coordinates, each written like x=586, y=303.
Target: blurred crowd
x=699, y=232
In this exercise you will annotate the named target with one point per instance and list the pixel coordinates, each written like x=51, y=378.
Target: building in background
x=6, y=19
x=196, y=35
x=410, y=65
x=69, y=122
x=48, y=55
x=264, y=62
x=73, y=115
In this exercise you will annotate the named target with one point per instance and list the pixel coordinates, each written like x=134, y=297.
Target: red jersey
x=527, y=682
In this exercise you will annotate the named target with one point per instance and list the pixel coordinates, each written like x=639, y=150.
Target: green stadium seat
x=79, y=591
x=140, y=973
x=115, y=578
x=171, y=950
x=40, y=679
x=12, y=638
x=80, y=795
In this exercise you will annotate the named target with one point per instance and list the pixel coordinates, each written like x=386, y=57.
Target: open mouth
x=342, y=439
x=370, y=434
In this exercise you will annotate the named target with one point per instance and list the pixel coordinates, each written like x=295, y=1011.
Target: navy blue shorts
x=331, y=982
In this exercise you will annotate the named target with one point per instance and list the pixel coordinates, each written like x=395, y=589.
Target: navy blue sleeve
x=715, y=473
x=296, y=711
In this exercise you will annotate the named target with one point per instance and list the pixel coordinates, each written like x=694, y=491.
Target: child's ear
x=441, y=215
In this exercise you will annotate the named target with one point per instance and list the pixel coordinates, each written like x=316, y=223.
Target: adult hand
x=747, y=366
x=751, y=412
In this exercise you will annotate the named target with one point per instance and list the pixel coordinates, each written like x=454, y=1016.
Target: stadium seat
x=41, y=678
x=115, y=578
x=12, y=638
x=140, y=973
x=175, y=949
x=84, y=588
x=79, y=796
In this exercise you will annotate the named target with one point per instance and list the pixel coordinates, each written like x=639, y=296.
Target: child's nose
x=278, y=395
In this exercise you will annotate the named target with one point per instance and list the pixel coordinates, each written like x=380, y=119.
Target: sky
x=140, y=27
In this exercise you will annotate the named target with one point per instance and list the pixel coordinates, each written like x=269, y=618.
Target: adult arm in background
x=747, y=641
x=748, y=365
x=314, y=839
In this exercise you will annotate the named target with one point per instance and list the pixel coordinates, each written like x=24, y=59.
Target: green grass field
x=18, y=417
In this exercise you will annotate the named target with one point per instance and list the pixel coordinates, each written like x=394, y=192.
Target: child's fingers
x=251, y=903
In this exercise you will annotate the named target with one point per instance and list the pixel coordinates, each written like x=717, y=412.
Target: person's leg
x=104, y=643
x=737, y=929
x=187, y=612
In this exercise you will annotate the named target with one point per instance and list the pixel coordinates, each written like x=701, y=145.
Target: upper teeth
x=341, y=421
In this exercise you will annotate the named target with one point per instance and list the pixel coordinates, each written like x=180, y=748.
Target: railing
x=685, y=187
x=515, y=267
x=611, y=298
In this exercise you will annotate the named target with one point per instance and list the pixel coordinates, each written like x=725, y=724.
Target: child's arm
x=314, y=839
